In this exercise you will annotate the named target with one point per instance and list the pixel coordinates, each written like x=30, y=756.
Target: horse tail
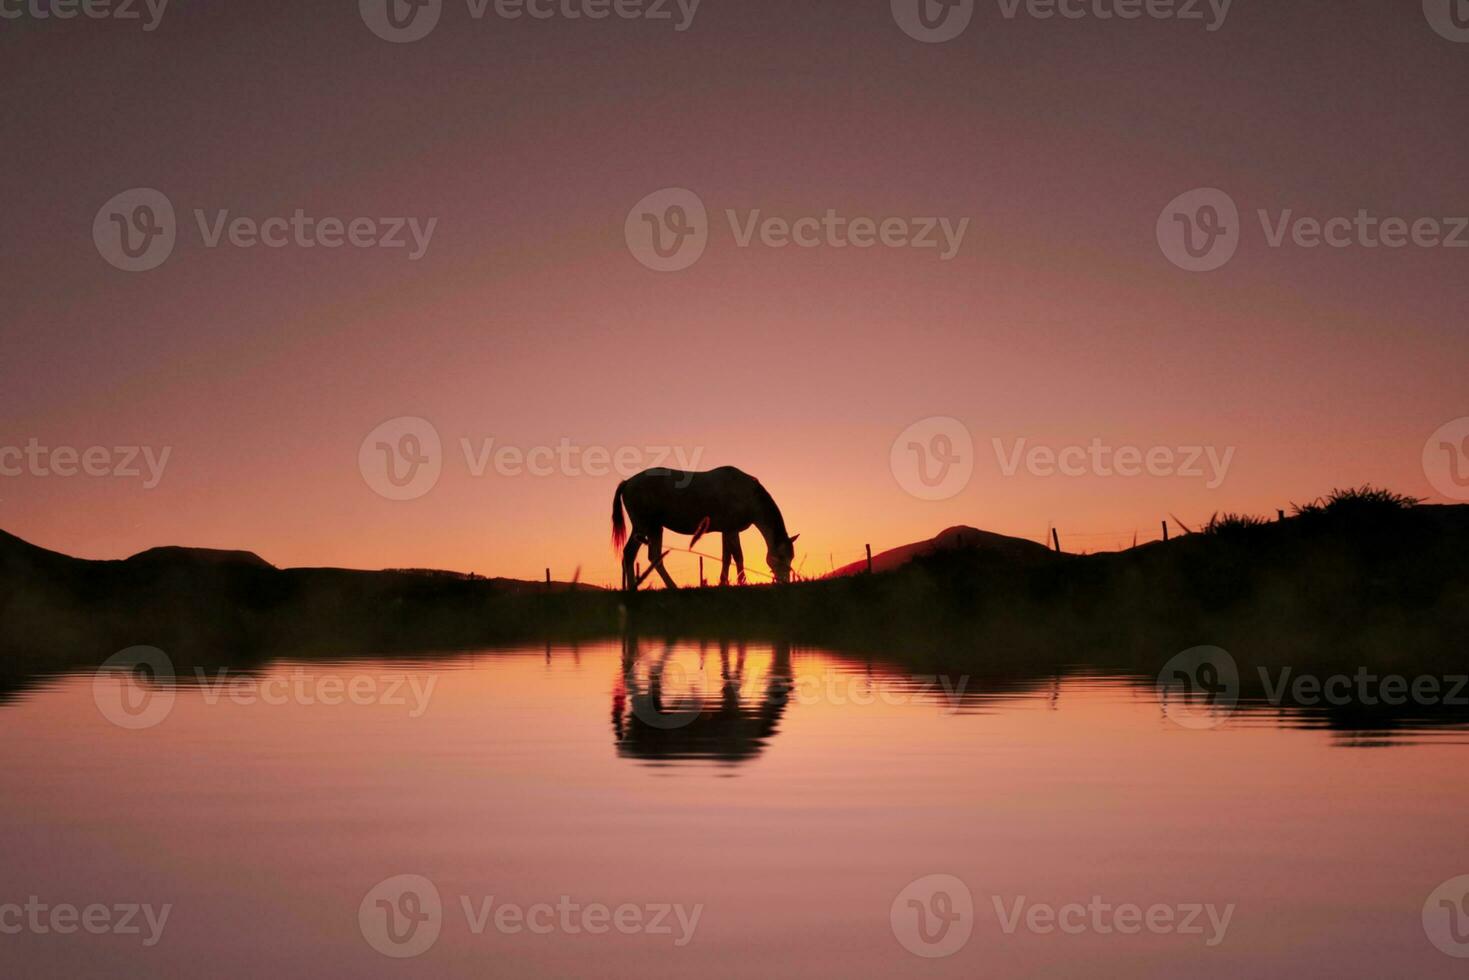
x=619, y=529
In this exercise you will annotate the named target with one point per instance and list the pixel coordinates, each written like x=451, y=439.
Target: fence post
x=1280, y=514
x=869, y=559
x=1056, y=539
x=548, y=576
x=1165, y=530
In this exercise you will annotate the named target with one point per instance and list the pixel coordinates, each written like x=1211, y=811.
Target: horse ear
x=794, y=537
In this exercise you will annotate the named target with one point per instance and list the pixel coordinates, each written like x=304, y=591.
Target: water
x=786, y=827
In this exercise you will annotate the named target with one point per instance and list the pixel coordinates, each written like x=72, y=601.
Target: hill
x=958, y=538
x=54, y=607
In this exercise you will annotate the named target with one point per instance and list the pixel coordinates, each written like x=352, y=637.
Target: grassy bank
x=1359, y=581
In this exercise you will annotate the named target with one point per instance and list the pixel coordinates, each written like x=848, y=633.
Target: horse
x=723, y=501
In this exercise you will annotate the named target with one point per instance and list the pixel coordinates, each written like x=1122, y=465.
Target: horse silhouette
x=723, y=501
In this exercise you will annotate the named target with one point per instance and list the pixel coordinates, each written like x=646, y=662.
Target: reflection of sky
x=1057, y=790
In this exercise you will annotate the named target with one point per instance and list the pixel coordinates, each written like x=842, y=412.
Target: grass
x=1357, y=506
x=1361, y=574
x=1231, y=523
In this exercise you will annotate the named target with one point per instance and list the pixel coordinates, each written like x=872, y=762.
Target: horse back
x=681, y=500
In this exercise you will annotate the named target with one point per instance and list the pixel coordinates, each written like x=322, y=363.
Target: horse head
x=779, y=558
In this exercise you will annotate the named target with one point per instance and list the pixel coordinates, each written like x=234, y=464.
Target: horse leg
x=728, y=553
x=629, y=557
x=655, y=555
x=739, y=556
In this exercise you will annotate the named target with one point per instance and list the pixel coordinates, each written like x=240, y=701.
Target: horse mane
x=772, y=511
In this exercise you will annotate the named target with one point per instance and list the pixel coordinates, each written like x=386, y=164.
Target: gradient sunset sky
x=529, y=321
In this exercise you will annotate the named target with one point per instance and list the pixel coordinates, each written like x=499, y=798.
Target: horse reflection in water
x=671, y=713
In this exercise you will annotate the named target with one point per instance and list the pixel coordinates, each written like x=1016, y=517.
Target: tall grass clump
x=1231, y=523
x=1357, y=506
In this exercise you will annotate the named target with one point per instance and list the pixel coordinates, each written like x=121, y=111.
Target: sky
x=529, y=152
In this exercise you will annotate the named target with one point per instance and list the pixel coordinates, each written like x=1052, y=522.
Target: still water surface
x=776, y=805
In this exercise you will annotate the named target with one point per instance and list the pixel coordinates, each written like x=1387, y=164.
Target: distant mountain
x=957, y=538
x=200, y=556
